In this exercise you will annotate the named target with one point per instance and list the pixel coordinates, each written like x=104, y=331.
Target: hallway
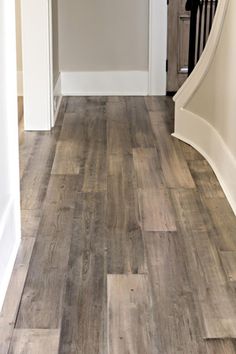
x=136, y=243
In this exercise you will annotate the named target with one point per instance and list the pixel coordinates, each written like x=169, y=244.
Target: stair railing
x=202, y=13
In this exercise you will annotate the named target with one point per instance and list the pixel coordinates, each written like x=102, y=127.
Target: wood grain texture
x=12, y=300
x=70, y=146
x=174, y=166
x=42, y=298
x=229, y=264
x=215, y=299
x=37, y=171
x=219, y=346
x=35, y=341
x=130, y=322
x=30, y=220
x=148, y=168
x=205, y=179
x=118, y=133
x=83, y=322
x=157, y=212
x=139, y=122
x=125, y=243
x=174, y=309
x=224, y=222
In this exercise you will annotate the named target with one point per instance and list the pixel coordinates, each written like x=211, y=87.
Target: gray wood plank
x=130, y=323
x=205, y=179
x=94, y=164
x=148, y=168
x=221, y=346
x=174, y=166
x=224, y=221
x=140, y=127
x=157, y=213
x=118, y=134
x=70, y=147
x=84, y=315
x=37, y=171
x=35, y=341
x=178, y=328
x=30, y=220
x=216, y=300
x=190, y=154
x=125, y=243
x=229, y=264
x=10, y=307
x=42, y=297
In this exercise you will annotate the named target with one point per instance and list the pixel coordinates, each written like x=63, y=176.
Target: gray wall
x=97, y=35
x=55, y=41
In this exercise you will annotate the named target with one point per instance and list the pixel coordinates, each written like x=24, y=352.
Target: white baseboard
x=57, y=97
x=104, y=83
x=197, y=132
x=9, y=243
x=20, y=83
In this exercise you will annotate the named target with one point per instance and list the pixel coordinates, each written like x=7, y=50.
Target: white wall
x=206, y=104
x=9, y=159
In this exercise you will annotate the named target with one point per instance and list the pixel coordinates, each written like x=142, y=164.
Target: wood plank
x=157, y=213
x=42, y=297
x=84, y=316
x=174, y=166
x=118, y=134
x=130, y=322
x=62, y=111
x=229, y=264
x=37, y=172
x=148, y=168
x=216, y=300
x=224, y=222
x=10, y=307
x=205, y=179
x=82, y=148
x=189, y=152
x=162, y=109
x=35, y=341
x=125, y=243
x=30, y=220
x=178, y=328
x=94, y=165
x=218, y=346
x=140, y=127
x=70, y=148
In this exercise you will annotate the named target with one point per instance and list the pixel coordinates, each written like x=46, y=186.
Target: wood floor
x=133, y=242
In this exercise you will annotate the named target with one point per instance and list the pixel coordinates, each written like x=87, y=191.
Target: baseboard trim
x=9, y=244
x=104, y=83
x=57, y=98
x=20, y=83
x=195, y=131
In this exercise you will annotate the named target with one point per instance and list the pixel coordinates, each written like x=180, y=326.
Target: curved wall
x=205, y=113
